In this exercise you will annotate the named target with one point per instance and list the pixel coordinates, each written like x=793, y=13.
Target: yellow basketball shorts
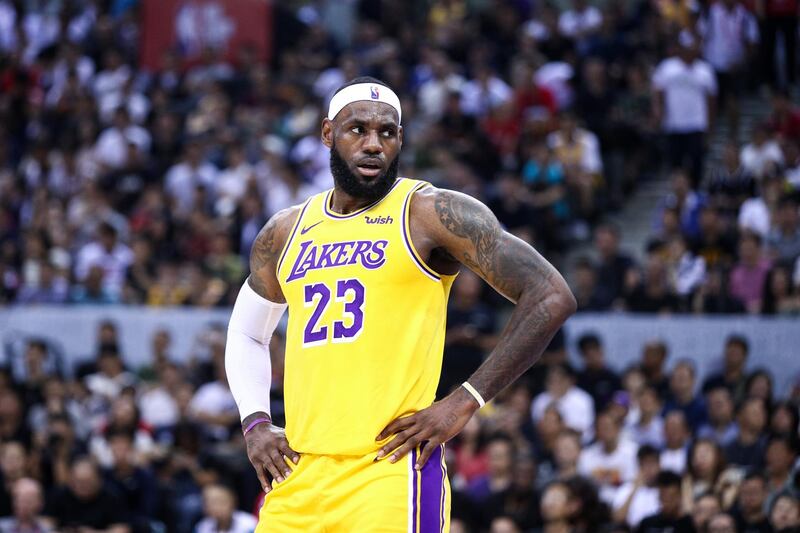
x=344, y=494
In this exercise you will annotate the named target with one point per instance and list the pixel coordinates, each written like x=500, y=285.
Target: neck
x=224, y=524
x=609, y=447
x=746, y=436
x=754, y=515
x=343, y=203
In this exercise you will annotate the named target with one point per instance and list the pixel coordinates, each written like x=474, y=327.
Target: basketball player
x=365, y=270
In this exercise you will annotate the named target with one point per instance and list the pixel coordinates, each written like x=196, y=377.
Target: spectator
x=220, y=514
x=111, y=378
x=783, y=240
x=720, y=427
x=649, y=428
x=721, y=523
x=676, y=442
x=84, y=502
x=213, y=404
x=705, y=507
x=585, y=287
x=779, y=459
x=580, y=23
x=682, y=395
x=670, y=517
x=705, y=467
x=184, y=178
x=610, y=461
x=784, y=119
x=107, y=253
x=784, y=514
x=749, y=511
x=780, y=297
x=27, y=507
x=13, y=466
x=566, y=454
x=763, y=156
x=778, y=17
x=729, y=34
x=500, y=452
x=134, y=484
x=613, y=265
x=650, y=292
x=638, y=499
x=747, y=450
x=687, y=200
x=519, y=502
x=686, y=89
x=784, y=421
x=574, y=405
x=578, y=151
x=733, y=375
x=596, y=378
x=124, y=417
x=654, y=357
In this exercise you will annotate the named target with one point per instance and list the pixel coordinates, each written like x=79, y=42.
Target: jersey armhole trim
x=409, y=245
x=289, y=240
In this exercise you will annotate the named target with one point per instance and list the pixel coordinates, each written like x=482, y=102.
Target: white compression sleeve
x=247, y=362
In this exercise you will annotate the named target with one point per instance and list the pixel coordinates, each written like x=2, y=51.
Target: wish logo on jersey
x=371, y=255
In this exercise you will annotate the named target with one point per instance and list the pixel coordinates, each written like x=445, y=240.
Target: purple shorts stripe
x=430, y=498
x=415, y=483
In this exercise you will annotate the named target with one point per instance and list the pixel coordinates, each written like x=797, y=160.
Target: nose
x=372, y=143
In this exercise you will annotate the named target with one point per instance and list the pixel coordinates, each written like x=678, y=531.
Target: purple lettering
x=326, y=255
x=361, y=249
x=297, y=270
x=378, y=249
x=341, y=257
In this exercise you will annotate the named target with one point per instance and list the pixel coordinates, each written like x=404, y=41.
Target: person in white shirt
x=575, y=406
x=220, y=514
x=111, y=149
x=185, y=177
x=580, y=23
x=106, y=252
x=676, y=439
x=730, y=33
x=611, y=460
x=763, y=156
x=649, y=428
x=484, y=93
x=639, y=498
x=233, y=182
x=432, y=94
x=686, y=90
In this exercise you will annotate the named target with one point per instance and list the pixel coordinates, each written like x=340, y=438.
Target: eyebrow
x=357, y=121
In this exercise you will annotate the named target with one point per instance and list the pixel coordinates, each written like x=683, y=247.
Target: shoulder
x=276, y=231
x=452, y=209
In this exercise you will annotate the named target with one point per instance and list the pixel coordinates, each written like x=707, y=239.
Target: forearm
x=247, y=361
x=530, y=329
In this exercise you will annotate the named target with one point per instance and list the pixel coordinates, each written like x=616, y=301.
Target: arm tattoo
x=264, y=254
x=518, y=272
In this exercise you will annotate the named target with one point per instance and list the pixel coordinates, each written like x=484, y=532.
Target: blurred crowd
x=120, y=184
x=569, y=448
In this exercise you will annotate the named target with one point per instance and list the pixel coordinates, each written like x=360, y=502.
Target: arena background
x=648, y=148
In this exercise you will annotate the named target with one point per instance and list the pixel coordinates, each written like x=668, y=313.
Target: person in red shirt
x=784, y=119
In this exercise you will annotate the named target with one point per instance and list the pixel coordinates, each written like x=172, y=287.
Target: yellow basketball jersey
x=366, y=323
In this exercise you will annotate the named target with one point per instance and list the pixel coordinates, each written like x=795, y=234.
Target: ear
x=400, y=135
x=327, y=132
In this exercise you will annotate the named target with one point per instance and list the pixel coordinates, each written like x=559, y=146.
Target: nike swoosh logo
x=304, y=230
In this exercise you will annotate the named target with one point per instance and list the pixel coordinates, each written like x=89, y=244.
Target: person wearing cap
x=366, y=268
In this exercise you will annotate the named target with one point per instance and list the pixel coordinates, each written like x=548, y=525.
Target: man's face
x=752, y=494
x=365, y=141
x=670, y=498
x=734, y=353
x=704, y=509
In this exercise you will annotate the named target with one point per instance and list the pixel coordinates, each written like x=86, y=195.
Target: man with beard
x=365, y=269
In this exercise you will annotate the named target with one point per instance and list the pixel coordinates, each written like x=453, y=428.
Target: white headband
x=363, y=92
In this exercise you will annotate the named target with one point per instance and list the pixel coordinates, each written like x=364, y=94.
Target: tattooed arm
x=255, y=315
x=455, y=228
x=470, y=233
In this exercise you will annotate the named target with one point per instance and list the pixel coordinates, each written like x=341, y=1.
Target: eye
x=357, y=130
x=388, y=133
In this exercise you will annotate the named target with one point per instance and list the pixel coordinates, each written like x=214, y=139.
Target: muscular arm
x=452, y=228
x=255, y=315
x=469, y=233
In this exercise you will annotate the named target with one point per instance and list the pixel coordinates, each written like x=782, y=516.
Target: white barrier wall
x=775, y=342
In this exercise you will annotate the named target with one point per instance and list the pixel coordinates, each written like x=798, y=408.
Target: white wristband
x=475, y=394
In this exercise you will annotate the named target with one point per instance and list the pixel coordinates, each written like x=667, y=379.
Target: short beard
x=349, y=183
